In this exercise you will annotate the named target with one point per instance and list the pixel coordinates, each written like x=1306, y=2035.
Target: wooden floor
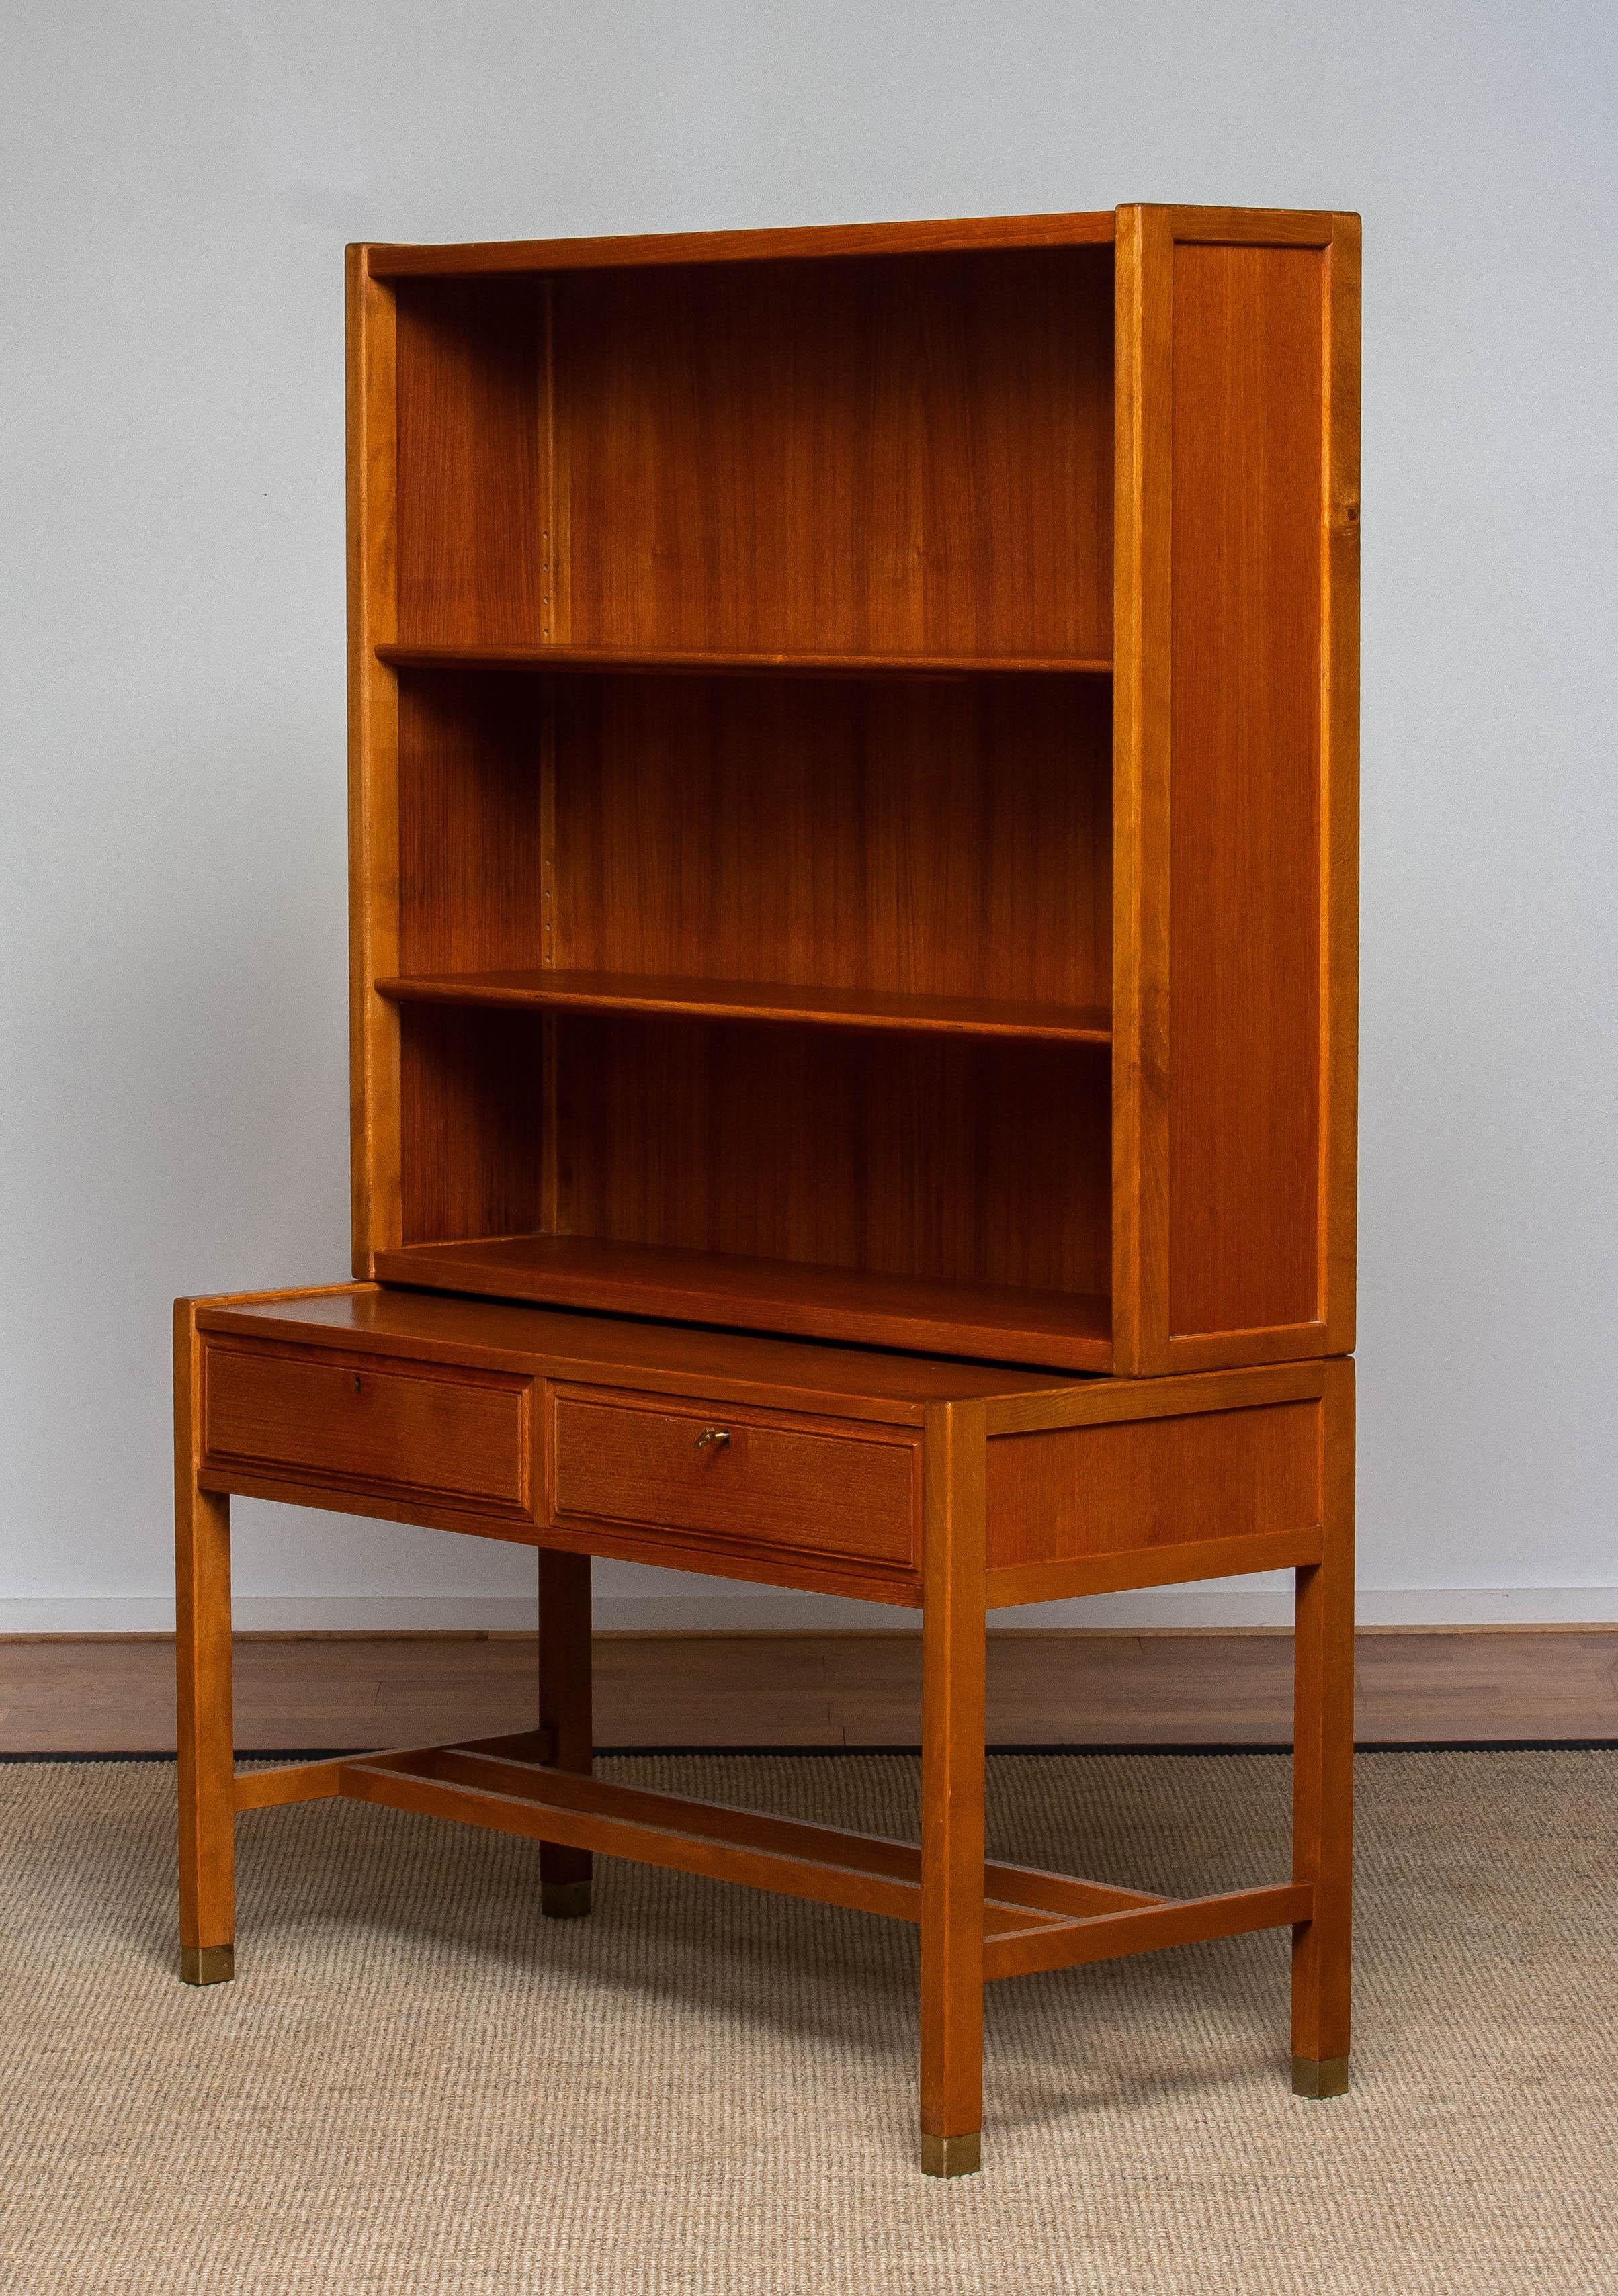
x=115, y=1693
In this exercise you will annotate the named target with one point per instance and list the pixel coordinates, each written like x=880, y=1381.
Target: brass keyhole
x=357, y=1382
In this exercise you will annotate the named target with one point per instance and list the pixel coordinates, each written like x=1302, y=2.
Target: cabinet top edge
x=951, y=235
x=961, y=235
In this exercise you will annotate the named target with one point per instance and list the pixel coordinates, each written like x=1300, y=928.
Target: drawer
x=381, y=1428
x=754, y=1477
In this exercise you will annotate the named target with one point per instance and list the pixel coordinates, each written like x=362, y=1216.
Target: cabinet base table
x=952, y=1488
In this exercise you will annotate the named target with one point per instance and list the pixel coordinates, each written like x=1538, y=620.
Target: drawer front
x=755, y=1478
x=349, y=1422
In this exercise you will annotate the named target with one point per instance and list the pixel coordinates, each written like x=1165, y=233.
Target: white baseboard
x=1228, y=1604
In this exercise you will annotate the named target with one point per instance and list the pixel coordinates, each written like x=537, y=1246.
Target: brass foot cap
x=208, y=1965
x=564, y=1901
x=952, y=2156
x=1319, y=2076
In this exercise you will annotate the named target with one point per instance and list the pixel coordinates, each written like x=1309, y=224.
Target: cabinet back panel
x=471, y=1123
x=904, y=455
x=470, y=365
x=973, y=1162
x=470, y=814
x=1244, y=803
x=933, y=840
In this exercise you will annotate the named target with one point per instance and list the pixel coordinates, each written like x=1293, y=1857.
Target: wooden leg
x=208, y=1816
x=564, y=1714
x=953, y=1647
x=1323, y=1769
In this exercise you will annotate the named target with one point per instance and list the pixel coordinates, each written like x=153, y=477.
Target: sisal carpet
x=417, y=2087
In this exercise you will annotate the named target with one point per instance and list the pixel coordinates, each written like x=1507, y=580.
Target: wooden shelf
x=743, y=1000
x=1066, y=1331
x=661, y=662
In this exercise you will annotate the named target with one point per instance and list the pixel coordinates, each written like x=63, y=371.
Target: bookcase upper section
x=853, y=780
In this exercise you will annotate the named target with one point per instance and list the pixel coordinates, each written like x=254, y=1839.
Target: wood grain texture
x=1249, y=226
x=879, y=1856
x=1170, y=1564
x=443, y=1436
x=473, y=1114
x=921, y=863
x=870, y=1873
x=1246, y=615
x=471, y=825
x=905, y=839
x=373, y=862
x=1098, y=1402
x=1234, y=709
x=812, y=243
x=831, y=1864
x=1098, y=1687
x=820, y=1008
x=566, y=1734
x=1147, y=1929
x=744, y=458
x=711, y=1553
x=718, y=992
x=953, y=1536
x=664, y=1829
x=1141, y=688
x=289, y=1782
x=202, y=1672
x=1323, y=1739
x=1339, y=709
x=969, y=1161
x=473, y=480
x=857, y=1306
x=452, y=816
x=1155, y=1482
x=1148, y=1482
x=894, y=455
x=1018, y=1901
x=528, y=659
x=465, y=1435
x=616, y=1351
x=787, y=1479
x=1269, y=1343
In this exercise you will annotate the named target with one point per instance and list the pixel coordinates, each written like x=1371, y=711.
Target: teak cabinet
x=854, y=841
x=854, y=781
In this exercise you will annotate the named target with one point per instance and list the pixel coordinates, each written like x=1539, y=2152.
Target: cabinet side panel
x=1340, y=889
x=1140, y=801
x=373, y=765
x=1130, y=1484
x=1245, y=811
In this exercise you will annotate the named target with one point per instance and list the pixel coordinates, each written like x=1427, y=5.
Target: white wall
x=176, y=185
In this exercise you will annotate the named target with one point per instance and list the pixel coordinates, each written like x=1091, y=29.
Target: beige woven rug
x=416, y=2084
